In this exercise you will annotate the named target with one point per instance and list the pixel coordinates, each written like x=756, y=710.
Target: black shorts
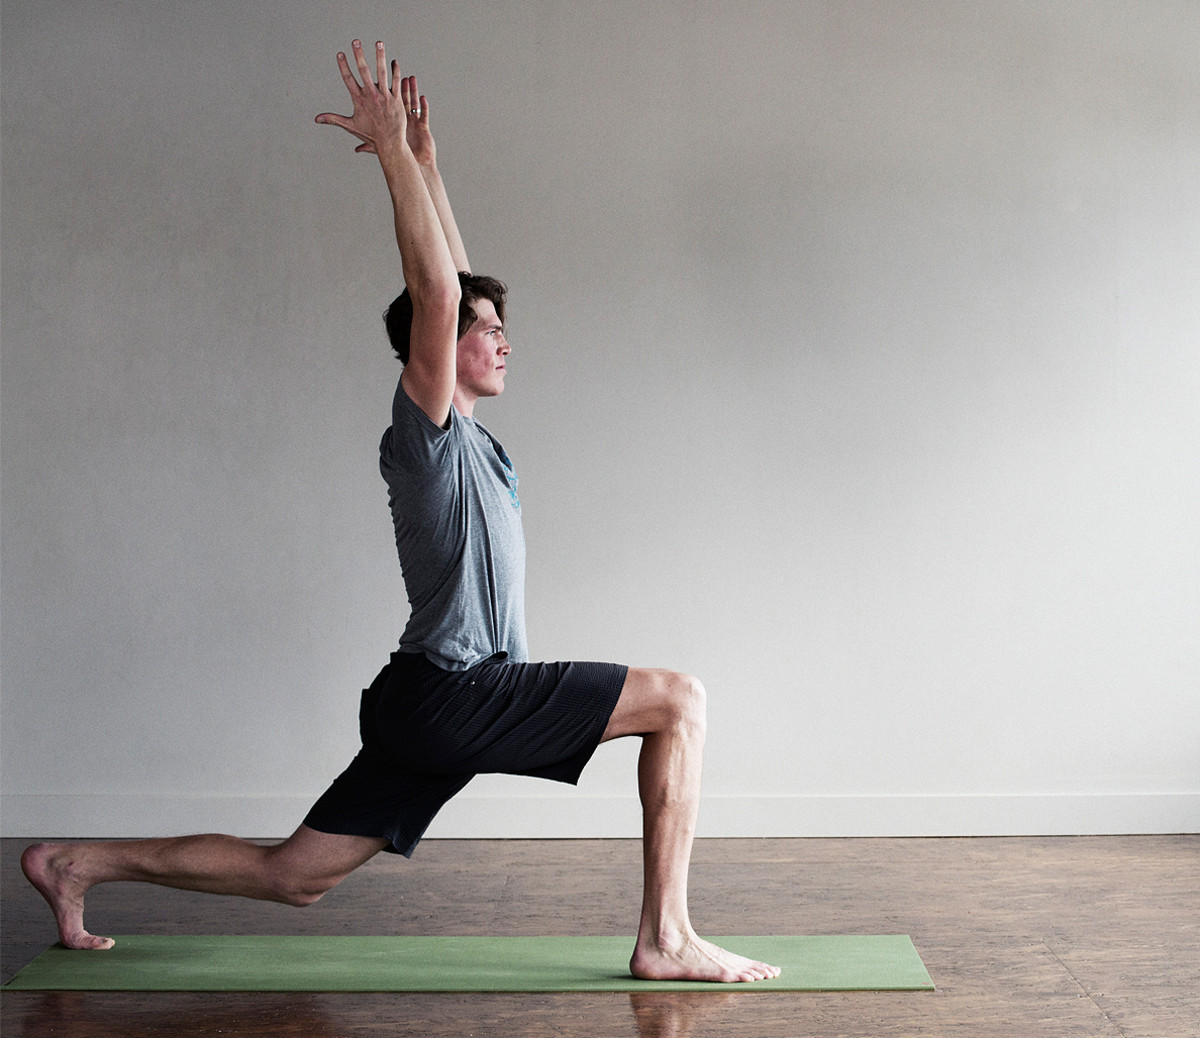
x=426, y=732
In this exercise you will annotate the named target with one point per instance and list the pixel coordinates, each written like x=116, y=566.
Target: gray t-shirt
x=458, y=532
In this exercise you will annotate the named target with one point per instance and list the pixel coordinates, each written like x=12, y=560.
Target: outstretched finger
x=361, y=61
x=381, y=68
x=333, y=119
x=347, y=75
x=411, y=103
x=423, y=111
x=347, y=124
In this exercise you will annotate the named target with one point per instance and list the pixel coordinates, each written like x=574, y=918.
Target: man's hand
x=420, y=140
x=380, y=117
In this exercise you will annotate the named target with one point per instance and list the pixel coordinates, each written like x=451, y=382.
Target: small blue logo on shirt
x=511, y=475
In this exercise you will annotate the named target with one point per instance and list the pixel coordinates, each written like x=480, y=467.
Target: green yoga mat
x=152, y=963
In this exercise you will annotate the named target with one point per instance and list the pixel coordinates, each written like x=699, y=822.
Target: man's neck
x=464, y=402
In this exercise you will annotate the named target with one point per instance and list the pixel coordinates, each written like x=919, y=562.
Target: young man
x=459, y=696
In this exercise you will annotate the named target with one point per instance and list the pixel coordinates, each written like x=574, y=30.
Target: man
x=458, y=697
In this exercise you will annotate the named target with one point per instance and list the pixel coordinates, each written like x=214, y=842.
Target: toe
x=88, y=942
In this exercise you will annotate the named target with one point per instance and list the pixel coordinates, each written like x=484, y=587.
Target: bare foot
x=692, y=958
x=51, y=868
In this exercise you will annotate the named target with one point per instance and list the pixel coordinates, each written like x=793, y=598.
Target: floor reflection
x=655, y=1014
x=53, y=1014
x=675, y=1014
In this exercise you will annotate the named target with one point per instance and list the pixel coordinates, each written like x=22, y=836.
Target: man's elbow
x=436, y=298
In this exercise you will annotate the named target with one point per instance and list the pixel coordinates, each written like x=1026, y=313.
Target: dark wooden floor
x=1024, y=937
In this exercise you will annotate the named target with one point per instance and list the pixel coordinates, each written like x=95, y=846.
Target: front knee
x=688, y=700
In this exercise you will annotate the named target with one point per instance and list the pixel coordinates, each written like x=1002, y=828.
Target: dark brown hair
x=397, y=318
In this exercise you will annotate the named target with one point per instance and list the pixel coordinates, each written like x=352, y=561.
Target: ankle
x=666, y=934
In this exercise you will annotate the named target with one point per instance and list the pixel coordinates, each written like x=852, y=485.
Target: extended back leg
x=296, y=872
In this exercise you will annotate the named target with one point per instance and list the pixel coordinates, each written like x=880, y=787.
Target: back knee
x=294, y=887
x=300, y=893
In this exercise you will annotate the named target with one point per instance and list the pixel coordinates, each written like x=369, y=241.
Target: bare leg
x=667, y=710
x=295, y=872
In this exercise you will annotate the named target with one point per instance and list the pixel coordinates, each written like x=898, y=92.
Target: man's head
x=398, y=317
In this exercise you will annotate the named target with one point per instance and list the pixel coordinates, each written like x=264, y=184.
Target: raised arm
x=380, y=121
x=420, y=140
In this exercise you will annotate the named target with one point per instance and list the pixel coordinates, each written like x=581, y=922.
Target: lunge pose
x=459, y=696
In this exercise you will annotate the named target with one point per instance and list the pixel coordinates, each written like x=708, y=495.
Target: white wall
x=855, y=371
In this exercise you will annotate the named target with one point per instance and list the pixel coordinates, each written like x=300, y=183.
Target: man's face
x=482, y=352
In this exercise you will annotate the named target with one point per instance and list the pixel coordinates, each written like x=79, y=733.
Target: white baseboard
x=566, y=815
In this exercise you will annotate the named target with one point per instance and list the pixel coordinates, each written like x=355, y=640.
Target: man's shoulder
x=413, y=430
x=407, y=413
